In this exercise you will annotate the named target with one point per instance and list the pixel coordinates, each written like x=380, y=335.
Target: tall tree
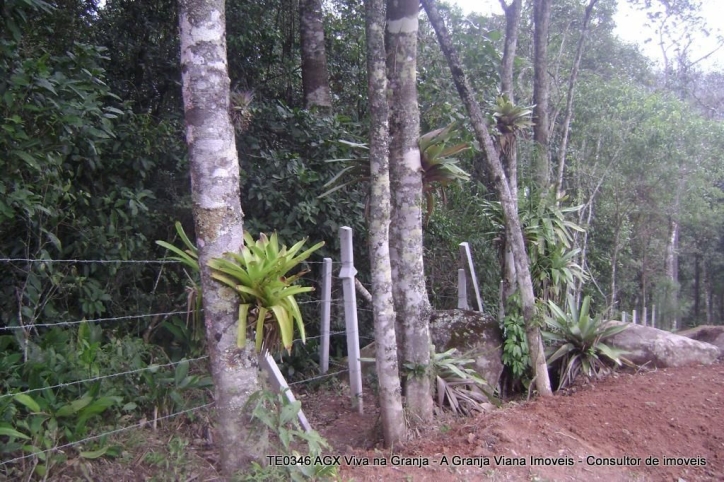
x=411, y=302
x=218, y=220
x=541, y=88
x=502, y=188
x=393, y=422
x=512, y=27
x=510, y=157
x=569, y=96
x=315, y=77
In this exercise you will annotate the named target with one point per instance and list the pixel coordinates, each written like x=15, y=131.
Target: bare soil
x=655, y=425
x=660, y=425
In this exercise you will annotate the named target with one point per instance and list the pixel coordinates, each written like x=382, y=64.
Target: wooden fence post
x=326, y=310
x=347, y=274
x=467, y=261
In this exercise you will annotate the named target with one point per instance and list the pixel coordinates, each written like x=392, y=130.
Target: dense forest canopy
x=95, y=166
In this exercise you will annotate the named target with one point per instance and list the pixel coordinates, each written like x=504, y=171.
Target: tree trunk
x=512, y=23
x=541, y=133
x=218, y=220
x=411, y=302
x=614, y=266
x=708, y=294
x=569, y=97
x=697, y=287
x=315, y=77
x=495, y=167
x=393, y=421
x=672, y=271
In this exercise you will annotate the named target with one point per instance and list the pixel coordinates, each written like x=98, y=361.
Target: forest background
x=95, y=166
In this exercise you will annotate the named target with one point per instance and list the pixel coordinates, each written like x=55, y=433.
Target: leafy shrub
x=279, y=418
x=60, y=387
x=577, y=342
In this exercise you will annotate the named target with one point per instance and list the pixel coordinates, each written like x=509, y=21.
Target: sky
x=631, y=28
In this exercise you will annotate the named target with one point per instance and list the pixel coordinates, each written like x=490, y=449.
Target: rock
x=707, y=334
x=657, y=348
x=475, y=335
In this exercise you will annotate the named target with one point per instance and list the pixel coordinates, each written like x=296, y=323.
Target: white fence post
x=467, y=261
x=326, y=309
x=633, y=315
x=347, y=274
x=280, y=384
x=623, y=316
x=644, y=319
x=653, y=316
x=462, y=290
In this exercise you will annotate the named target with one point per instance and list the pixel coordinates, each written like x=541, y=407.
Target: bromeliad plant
x=459, y=384
x=549, y=240
x=577, y=342
x=439, y=168
x=259, y=274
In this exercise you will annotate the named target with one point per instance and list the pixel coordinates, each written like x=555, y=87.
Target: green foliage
x=259, y=275
x=283, y=166
x=80, y=169
x=48, y=399
x=577, y=341
x=278, y=418
x=516, y=356
x=456, y=221
x=439, y=169
x=510, y=118
x=459, y=384
x=548, y=235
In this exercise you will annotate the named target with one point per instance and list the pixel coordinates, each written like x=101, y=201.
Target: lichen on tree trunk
x=217, y=214
x=390, y=399
x=411, y=302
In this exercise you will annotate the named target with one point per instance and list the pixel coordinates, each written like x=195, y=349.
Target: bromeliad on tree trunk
x=258, y=273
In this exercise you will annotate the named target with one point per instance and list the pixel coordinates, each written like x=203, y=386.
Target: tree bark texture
x=411, y=302
x=315, y=76
x=512, y=26
x=495, y=167
x=569, y=96
x=541, y=88
x=390, y=393
x=510, y=159
x=218, y=220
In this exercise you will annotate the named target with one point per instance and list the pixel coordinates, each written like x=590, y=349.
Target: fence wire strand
x=95, y=379
x=318, y=377
x=114, y=261
x=112, y=432
x=88, y=261
x=100, y=320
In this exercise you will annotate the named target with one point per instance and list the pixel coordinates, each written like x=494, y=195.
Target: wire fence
x=140, y=424
x=151, y=367
x=336, y=303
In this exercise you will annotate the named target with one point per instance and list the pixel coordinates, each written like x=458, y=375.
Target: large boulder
x=708, y=334
x=657, y=348
x=475, y=335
